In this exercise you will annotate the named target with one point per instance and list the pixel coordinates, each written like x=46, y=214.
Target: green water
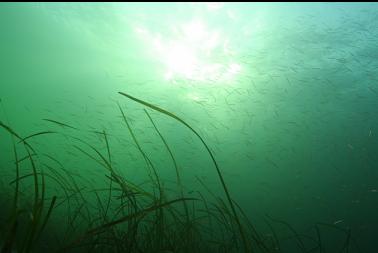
x=284, y=94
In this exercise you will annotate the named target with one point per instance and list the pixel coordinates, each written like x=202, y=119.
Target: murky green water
x=284, y=94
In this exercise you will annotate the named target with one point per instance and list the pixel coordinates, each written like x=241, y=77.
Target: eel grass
x=247, y=248
x=127, y=217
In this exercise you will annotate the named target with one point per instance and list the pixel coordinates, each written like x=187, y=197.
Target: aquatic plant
x=126, y=216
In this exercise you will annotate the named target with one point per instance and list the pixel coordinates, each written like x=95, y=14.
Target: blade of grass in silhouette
x=145, y=157
x=11, y=234
x=71, y=220
x=156, y=108
x=44, y=223
x=36, y=210
x=319, y=239
x=24, y=158
x=347, y=243
x=111, y=181
x=60, y=123
x=255, y=235
x=13, y=133
x=277, y=245
x=53, y=159
x=207, y=210
x=106, y=164
x=56, y=180
x=296, y=235
x=10, y=130
x=36, y=134
x=309, y=238
x=348, y=239
x=77, y=190
x=35, y=175
x=90, y=156
x=141, y=213
x=107, y=146
x=100, y=208
x=60, y=179
x=109, y=196
x=173, y=160
x=32, y=175
x=15, y=201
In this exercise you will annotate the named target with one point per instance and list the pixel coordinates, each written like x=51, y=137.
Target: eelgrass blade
x=145, y=157
x=24, y=158
x=141, y=213
x=35, y=175
x=178, y=178
x=37, y=208
x=156, y=108
x=60, y=123
x=349, y=238
x=13, y=133
x=319, y=239
x=277, y=245
x=36, y=134
x=15, y=201
x=49, y=211
x=295, y=233
x=8, y=243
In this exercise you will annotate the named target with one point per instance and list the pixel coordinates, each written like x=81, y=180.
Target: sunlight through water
x=193, y=50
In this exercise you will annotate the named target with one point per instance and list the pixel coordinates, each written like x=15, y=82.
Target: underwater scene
x=189, y=127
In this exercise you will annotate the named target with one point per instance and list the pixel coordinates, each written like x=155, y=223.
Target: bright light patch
x=194, y=31
x=181, y=59
x=141, y=30
x=193, y=51
x=211, y=6
x=168, y=76
x=234, y=68
x=194, y=97
x=211, y=43
x=214, y=6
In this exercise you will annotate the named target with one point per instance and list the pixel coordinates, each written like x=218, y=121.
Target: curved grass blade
x=52, y=203
x=145, y=157
x=347, y=231
x=277, y=245
x=141, y=213
x=60, y=123
x=156, y=108
x=13, y=133
x=296, y=235
x=10, y=238
x=10, y=130
x=23, y=159
x=319, y=239
x=36, y=134
x=15, y=205
x=178, y=178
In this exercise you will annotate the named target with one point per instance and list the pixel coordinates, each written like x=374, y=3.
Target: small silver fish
x=338, y=221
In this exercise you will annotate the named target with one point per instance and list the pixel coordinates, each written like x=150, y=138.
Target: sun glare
x=193, y=51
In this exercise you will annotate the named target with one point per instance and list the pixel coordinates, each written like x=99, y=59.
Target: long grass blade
x=156, y=108
x=36, y=134
x=60, y=124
